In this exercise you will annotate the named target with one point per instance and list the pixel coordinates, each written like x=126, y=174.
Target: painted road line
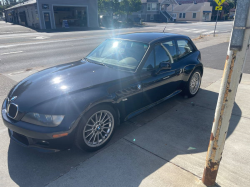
x=41, y=37
x=20, y=75
x=56, y=41
x=15, y=73
x=15, y=52
x=200, y=31
x=17, y=35
x=37, y=43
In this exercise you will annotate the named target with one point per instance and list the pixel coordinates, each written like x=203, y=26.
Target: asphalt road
x=215, y=56
x=22, y=49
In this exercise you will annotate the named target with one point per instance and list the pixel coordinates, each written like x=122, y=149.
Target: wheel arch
x=115, y=108
x=109, y=103
x=199, y=68
x=188, y=71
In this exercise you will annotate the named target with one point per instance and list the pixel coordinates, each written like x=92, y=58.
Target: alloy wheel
x=195, y=82
x=98, y=129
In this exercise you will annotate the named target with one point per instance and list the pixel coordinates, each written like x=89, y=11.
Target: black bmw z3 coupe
x=82, y=102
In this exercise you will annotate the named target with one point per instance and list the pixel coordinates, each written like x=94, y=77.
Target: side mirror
x=164, y=66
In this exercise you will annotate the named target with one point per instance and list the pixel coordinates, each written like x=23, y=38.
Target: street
x=164, y=146
x=27, y=50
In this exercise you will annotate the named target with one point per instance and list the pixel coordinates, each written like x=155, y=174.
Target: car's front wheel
x=192, y=86
x=96, y=128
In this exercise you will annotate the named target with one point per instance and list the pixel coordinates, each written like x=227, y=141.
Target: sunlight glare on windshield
x=122, y=54
x=115, y=44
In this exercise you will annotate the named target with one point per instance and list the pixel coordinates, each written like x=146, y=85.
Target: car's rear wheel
x=96, y=128
x=192, y=87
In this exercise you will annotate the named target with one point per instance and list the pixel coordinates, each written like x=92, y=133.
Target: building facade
x=151, y=10
x=174, y=10
x=191, y=11
x=52, y=14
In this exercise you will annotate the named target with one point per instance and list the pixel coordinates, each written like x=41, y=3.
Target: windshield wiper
x=92, y=61
x=86, y=59
x=102, y=64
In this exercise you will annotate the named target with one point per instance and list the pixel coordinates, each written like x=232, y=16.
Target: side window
x=150, y=63
x=160, y=55
x=170, y=45
x=184, y=48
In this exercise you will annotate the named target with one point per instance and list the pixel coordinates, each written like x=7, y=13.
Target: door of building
x=47, y=20
x=205, y=16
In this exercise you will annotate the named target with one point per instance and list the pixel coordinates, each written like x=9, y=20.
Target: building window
x=173, y=15
x=151, y=6
x=154, y=6
x=184, y=15
x=180, y=15
x=152, y=17
x=194, y=15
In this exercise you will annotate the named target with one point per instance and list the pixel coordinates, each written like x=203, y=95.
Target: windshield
x=119, y=53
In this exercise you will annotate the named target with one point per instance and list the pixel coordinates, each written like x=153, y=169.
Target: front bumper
x=36, y=137
x=41, y=146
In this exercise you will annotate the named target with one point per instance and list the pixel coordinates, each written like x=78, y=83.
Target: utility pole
x=234, y=64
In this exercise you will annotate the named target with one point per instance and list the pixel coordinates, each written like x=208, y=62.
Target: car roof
x=149, y=38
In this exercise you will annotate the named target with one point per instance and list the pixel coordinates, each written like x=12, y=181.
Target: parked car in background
x=82, y=102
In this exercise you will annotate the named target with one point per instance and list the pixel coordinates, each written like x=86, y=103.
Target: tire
x=92, y=133
x=187, y=87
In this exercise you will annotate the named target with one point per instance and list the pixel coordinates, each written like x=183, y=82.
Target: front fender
x=73, y=105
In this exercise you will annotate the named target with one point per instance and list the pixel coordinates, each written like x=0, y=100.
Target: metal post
x=216, y=21
x=232, y=72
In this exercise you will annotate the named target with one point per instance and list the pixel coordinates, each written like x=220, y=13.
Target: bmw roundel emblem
x=139, y=86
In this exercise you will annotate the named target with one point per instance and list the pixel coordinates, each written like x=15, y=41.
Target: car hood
x=63, y=79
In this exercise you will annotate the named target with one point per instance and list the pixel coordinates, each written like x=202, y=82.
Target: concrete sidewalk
x=170, y=149
x=10, y=28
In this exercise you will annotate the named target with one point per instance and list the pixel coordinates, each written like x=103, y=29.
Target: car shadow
x=30, y=168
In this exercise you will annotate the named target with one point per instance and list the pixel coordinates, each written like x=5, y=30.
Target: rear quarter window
x=184, y=48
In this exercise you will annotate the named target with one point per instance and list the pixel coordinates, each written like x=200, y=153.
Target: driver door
x=158, y=83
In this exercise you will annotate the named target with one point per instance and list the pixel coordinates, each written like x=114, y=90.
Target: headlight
x=43, y=120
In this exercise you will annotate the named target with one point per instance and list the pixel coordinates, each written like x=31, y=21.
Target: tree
x=129, y=6
x=231, y=3
x=227, y=5
x=110, y=7
x=8, y=3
